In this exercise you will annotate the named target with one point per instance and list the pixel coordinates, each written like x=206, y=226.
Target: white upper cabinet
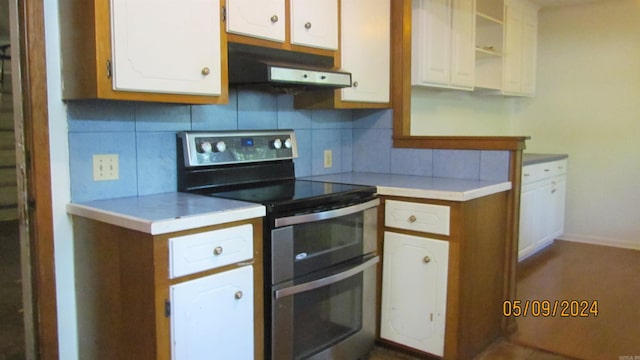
x=443, y=33
x=261, y=19
x=520, y=48
x=366, y=42
x=314, y=23
x=174, y=49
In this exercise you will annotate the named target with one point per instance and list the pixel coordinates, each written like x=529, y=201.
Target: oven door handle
x=296, y=289
x=324, y=215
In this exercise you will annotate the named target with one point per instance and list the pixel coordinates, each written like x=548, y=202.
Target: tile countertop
x=164, y=213
x=421, y=186
x=530, y=159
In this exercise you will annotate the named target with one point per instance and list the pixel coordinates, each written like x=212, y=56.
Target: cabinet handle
x=546, y=170
x=426, y=259
x=307, y=26
x=355, y=84
x=217, y=250
x=526, y=174
x=206, y=71
x=274, y=19
x=238, y=295
x=412, y=218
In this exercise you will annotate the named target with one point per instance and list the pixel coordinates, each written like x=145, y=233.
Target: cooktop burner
x=293, y=191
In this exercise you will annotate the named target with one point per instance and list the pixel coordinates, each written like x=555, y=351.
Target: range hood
x=282, y=71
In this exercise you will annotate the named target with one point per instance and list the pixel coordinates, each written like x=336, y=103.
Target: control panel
x=234, y=147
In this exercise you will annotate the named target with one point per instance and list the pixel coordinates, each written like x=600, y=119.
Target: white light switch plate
x=105, y=167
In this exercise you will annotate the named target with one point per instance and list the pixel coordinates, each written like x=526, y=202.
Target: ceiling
x=551, y=3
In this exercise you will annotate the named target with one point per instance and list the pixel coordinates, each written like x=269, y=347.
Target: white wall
x=588, y=105
x=451, y=112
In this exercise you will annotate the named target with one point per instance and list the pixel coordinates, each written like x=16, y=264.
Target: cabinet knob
x=412, y=218
x=206, y=71
x=238, y=295
x=355, y=84
x=274, y=19
x=426, y=259
x=307, y=26
x=217, y=250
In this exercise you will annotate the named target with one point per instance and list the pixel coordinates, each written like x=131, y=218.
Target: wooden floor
x=573, y=271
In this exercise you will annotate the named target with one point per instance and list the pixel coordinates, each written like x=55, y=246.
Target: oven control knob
x=287, y=143
x=220, y=146
x=277, y=144
x=205, y=147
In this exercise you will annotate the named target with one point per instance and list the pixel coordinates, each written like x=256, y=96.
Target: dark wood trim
x=401, y=66
x=461, y=142
x=39, y=206
x=509, y=325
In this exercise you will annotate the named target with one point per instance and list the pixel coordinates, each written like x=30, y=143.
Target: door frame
x=34, y=179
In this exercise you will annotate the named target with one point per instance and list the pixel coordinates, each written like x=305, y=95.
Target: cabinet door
x=414, y=291
x=431, y=42
x=463, y=36
x=535, y=217
x=315, y=23
x=513, y=49
x=263, y=19
x=365, y=50
x=166, y=46
x=557, y=206
x=212, y=317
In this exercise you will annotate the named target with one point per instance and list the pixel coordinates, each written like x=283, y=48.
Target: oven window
x=321, y=244
x=319, y=318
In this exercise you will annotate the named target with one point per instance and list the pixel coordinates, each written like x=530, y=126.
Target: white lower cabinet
x=542, y=203
x=414, y=291
x=212, y=316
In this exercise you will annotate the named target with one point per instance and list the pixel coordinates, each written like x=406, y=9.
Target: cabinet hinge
x=167, y=308
x=224, y=14
x=108, y=69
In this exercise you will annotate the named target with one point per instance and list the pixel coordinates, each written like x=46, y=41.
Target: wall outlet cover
x=105, y=167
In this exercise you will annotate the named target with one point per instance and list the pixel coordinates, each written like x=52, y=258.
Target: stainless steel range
x=319, y=240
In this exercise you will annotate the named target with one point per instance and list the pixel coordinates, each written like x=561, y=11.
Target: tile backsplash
x=143, y=136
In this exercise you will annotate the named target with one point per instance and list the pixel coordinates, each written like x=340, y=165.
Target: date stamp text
x=550, y=308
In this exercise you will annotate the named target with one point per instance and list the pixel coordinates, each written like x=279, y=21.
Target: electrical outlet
x=105, y=167
x=328, y=159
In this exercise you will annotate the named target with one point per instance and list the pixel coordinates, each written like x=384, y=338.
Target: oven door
x=303, y=244
x=329, y=315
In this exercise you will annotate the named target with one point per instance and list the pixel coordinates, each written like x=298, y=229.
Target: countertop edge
x=535, y=158
x=444, y=195
x=158, y=227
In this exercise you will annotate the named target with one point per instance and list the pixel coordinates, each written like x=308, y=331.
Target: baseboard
x=595, y=240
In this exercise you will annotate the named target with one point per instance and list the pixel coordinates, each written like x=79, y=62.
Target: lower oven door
x=329, y=316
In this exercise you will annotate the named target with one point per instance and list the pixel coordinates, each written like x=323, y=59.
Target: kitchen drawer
x=540, y=171
x=417, y=217
x=207, y=250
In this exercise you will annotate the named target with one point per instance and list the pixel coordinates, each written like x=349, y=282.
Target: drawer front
x=417, y=217
x=207, y=250
x=537, y=172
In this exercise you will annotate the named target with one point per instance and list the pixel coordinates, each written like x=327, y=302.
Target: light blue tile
x=494, y=165
x=303, y=162
x=412, y=161
x=329, y=139
x=331, y=119
x=156, y=159
x=459, y=164
x=162, y=117
x=369, y=119
x=372, y=150
x=82, y=147
x=290, y=118
x=216, y=117
x=100, y=115
x=347, y=150
x=257, y=110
